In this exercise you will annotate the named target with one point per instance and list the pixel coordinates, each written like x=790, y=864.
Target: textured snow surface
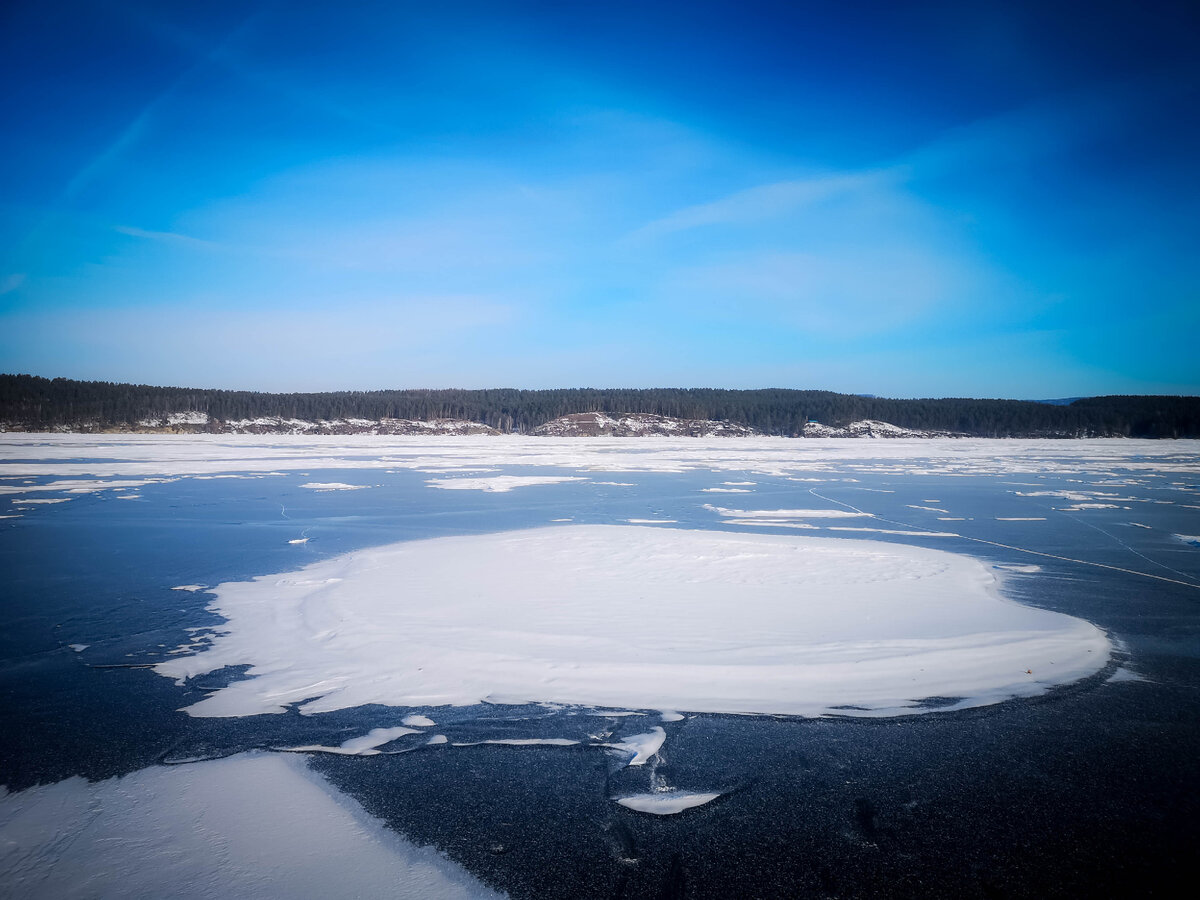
x=636, y=618
x=203, y=831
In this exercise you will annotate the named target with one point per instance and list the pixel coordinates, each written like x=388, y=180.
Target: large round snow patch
x=637, y=617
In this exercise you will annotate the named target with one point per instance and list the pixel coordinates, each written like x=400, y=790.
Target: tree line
x=33, y=402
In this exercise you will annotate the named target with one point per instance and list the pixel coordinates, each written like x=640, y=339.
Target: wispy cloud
x=11, y=283
x=755, y=204
x=165, y=237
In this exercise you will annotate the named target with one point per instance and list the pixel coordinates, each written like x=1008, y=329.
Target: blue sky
x=930, y=199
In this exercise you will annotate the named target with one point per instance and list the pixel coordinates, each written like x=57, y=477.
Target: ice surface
x=894, y=531
x=139, y=456
x=1193, y=539
x=202, y=830
x=635, y=618
x=498, y=484
x=79, y=486
x=786, y=513
x=665, y=803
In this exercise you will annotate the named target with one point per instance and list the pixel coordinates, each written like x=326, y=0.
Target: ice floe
x=189, y=587
x=635, y=618
x=332, y=486
x=418, y=721
x=359, y=746
x=522, y=742
x=641, y=747
x=203, y=830
x=665, y=803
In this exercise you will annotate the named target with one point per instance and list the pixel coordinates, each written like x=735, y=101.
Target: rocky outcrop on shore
x=598, y=424
x=870, y=428
x=191, y=422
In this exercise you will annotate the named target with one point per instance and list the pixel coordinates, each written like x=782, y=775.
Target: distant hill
x=31, y=403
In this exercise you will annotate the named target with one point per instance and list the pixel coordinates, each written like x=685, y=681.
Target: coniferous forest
x=30, y=402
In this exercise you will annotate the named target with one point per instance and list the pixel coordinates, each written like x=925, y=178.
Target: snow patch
x=643, y=747
x=635, y=618
x=499, y=484
x=665, y=803
x=522, y=742
x=359, y=746
x=202, y=830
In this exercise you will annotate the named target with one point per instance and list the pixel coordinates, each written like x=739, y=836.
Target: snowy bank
x=636, y=618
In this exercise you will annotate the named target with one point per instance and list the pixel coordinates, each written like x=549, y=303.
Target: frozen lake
x=597, y=667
